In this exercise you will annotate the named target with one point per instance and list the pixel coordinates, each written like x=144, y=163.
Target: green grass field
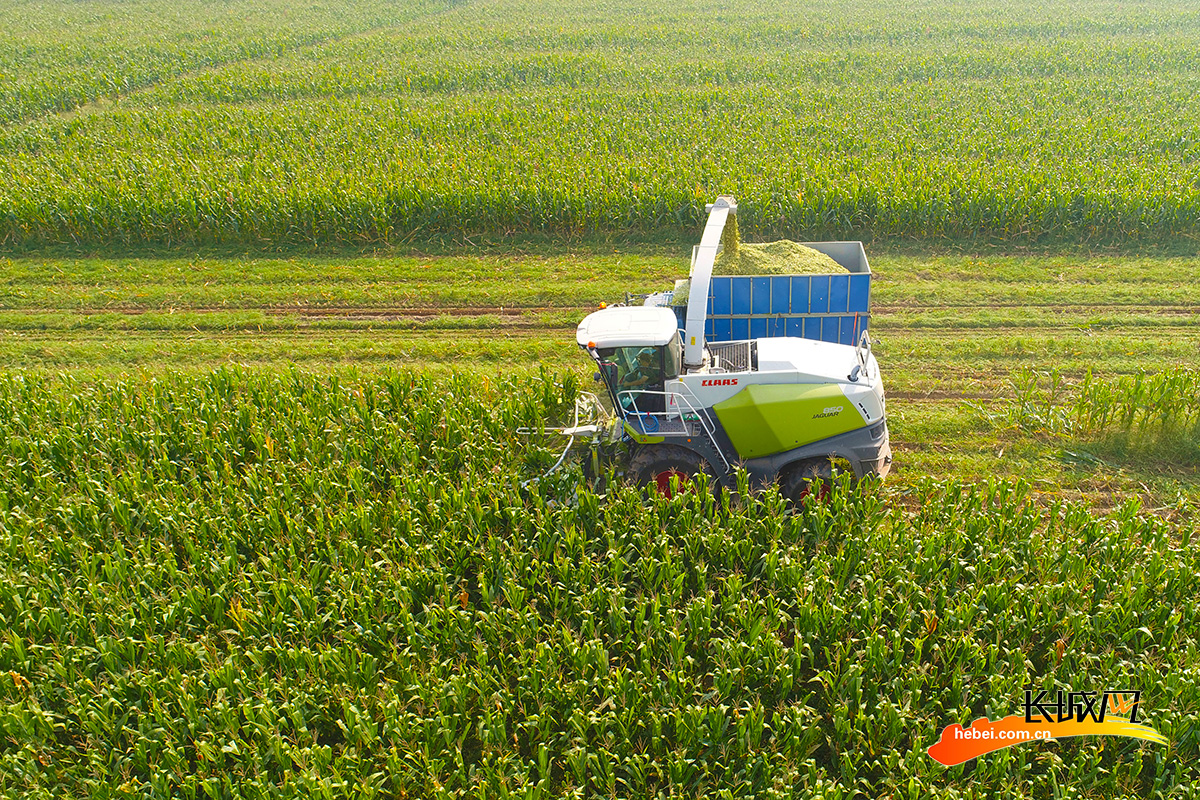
x=279, y=282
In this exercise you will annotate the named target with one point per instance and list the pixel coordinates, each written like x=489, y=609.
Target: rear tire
x=796, y=483
x=654, y=465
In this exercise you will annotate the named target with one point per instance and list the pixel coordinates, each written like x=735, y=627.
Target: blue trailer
x=828, y=308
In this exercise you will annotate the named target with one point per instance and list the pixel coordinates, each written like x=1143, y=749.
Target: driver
x=643, y=372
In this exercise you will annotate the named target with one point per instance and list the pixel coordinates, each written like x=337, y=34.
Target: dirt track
x=364, y=312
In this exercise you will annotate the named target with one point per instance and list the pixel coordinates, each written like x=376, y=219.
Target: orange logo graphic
x=1109, y=713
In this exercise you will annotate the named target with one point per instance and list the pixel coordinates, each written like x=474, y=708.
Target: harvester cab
x=784, y=407
x=637, y=350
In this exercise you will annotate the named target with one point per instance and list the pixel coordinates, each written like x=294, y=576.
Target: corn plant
x=1157, y=414
x=252, y=584
x=358, y=126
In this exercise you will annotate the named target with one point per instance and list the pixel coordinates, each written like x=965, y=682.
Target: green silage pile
x=783, y=257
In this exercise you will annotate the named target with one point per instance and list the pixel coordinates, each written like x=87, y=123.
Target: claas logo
x=719, y=382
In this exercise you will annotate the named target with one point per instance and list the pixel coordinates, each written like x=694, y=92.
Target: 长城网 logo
x=1045, y=716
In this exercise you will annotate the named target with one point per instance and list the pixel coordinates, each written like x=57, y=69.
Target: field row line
x=100, y=102
x=520, y=310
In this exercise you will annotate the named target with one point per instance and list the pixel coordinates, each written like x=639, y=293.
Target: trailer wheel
x=796, y=483
x=654, y=465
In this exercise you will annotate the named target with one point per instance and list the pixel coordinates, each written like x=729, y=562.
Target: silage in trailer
x=810, y=290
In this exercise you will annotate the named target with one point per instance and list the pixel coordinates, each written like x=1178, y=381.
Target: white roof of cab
x=626, y=326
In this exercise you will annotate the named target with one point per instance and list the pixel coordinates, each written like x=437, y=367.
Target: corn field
x=60, y=56
x=252, y=584
x=359, y=583
x=1154, y=412
x=359, y=126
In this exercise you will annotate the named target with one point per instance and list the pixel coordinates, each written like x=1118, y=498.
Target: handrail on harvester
x=684, y=411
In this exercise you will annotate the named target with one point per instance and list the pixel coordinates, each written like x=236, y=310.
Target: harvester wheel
x=796, y=483
x=654, y=465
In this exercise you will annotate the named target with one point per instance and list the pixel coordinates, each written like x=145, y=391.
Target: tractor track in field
x=402, y=311
x=347, y=312
x=324, y=324
x=250, y=333
x=410, y=325
x=1090, y=309
x=305, y=321
x=104, y=102
x=883, y=333
x=938, y=394
x=1166, y=308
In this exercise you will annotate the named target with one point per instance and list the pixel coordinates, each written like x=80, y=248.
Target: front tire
x=797, y=482
x=654, y=465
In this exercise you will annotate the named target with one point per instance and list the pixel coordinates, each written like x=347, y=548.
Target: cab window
x=635, y=367
x=673, y=357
